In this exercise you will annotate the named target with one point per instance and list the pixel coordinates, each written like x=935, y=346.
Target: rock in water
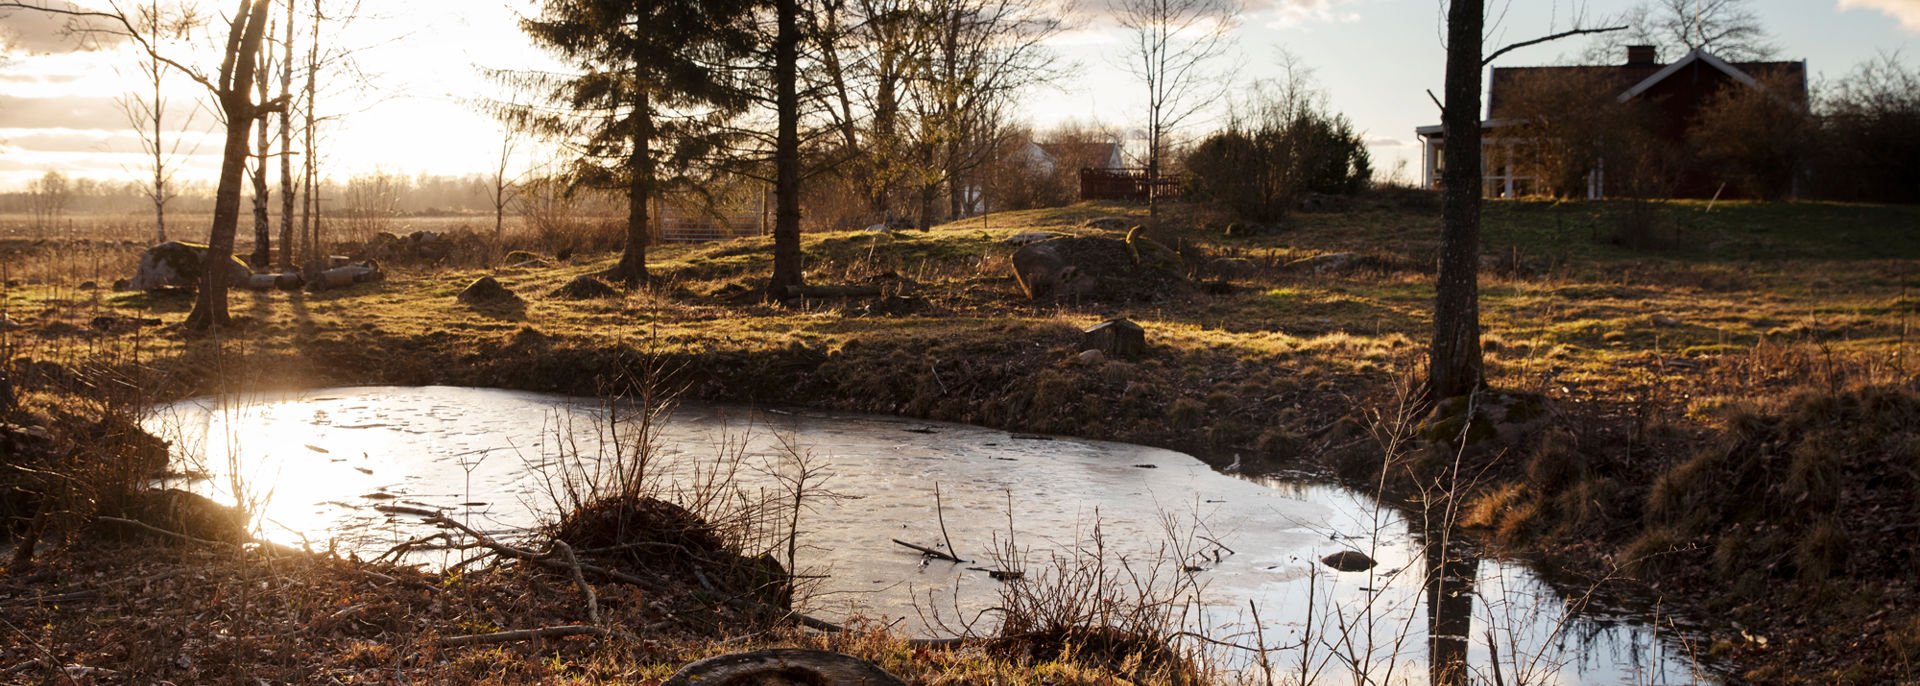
x=585, y=287
x=487, y=291
x=781, y=666
x=1349, y=561
x=179, y=265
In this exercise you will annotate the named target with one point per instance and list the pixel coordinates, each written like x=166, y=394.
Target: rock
x=487, y=291
x=586, y=287
x=1349, y=561
x=1028, y=237
x=343, y=276
x=1113, y=224
x=777, y=666
x=122, y=284
x=890, y=225
x=1321, y=264
x=1665, y=322
x=1092, y=268
x=1229, y=268
x=179, y=265
x=1117, y=338
x=1091, y=357
x=89, y=286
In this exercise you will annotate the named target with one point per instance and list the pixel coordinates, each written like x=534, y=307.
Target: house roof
x=1633, y=80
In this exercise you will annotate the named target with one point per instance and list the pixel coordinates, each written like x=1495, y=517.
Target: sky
x=423, y=64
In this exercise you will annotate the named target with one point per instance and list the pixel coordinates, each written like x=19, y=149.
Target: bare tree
x=787, y=271
x=1174, y=45
x=286, y=144
x=147, y=114
x=504, y=186
x=48, y=198
x=1728, y=28
x=262, y=256
x=232, y=88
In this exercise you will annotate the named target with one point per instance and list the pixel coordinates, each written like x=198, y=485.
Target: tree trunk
x=632, y=269
x=210, y=310
x=262, y=256
x=286, y=147
x=1455, y=366
x=787, y=271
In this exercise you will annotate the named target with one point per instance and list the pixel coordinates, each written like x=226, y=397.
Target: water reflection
x=324, y=462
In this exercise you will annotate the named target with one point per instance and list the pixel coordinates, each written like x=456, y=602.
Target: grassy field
x=1687, y=351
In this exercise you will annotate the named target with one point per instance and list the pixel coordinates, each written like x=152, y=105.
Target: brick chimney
x=1642, y=56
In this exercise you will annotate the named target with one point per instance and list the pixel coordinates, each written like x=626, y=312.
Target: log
x=929, y=552
x=522, y=635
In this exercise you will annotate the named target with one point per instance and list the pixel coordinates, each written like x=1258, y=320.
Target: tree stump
x=1117, y=338
x=783, y=667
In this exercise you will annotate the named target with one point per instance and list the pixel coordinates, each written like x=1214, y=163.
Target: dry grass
x=1786, y=320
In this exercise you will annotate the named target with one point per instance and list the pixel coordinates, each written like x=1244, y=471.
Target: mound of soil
x=487, y=291
x=652, y=537
x=585, y=287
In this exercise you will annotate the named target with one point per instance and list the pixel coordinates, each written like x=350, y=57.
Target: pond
x=319, y=468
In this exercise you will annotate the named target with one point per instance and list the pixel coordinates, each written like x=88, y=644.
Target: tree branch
x=1547, y=39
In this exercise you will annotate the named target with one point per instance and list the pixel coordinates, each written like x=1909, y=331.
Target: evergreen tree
x=651, y=81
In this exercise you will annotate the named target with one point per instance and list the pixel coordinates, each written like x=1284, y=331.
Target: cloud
x=48, y=33
x=61, y=113
x=1907, y=11
x=1291, y=13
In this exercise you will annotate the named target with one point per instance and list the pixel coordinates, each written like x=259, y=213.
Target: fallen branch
x=546, y=560
x=929, y=552
x=163, y=532
x=580, y=579
x=523, y=635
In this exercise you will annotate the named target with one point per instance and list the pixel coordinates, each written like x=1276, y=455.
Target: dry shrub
x=1092, y=607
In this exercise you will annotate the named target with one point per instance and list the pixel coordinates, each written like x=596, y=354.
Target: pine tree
x=651, y=81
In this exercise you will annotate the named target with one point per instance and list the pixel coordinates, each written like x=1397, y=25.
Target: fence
x=1127, y=184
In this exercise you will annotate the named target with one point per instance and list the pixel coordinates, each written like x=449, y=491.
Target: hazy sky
x=423, y=61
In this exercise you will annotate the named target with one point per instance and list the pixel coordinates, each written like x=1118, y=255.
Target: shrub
x=1259, y=168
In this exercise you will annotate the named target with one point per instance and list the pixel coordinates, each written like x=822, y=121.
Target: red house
x=1676, y=93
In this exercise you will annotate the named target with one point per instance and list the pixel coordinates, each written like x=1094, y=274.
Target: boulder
x=487, y=290
x=783, y=666
x=1093, y=268
x=179, y=265
x=1321, y=264
x=1349, y=561
x=586, y=287
x=1029, y=237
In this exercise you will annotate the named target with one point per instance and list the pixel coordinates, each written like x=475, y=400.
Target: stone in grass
x=1349, y=561
x=487, y=290
x=586, y=287
x=179, y=265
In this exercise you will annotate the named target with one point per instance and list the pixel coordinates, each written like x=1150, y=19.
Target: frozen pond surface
x=321, y=461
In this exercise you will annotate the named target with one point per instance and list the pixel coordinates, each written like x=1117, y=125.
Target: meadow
x=1731, y=387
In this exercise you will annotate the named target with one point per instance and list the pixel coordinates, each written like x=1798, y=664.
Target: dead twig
x=580, y=579
x=524, y=635
x=929, y=552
